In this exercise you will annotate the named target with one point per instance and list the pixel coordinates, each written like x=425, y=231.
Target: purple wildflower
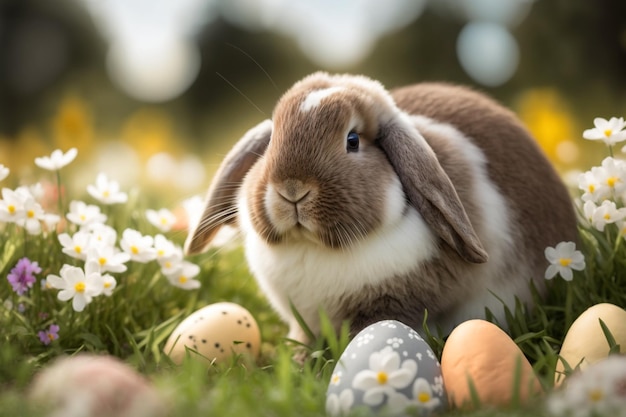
x=22, y=276
x=47, y=336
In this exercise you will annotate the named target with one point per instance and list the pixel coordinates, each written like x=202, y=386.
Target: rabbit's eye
x=352, y=142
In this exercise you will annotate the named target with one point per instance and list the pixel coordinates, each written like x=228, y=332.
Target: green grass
x=134, y=323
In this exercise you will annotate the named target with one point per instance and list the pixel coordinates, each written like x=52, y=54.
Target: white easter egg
x=387, y=366
x=217, y=332
x=585, y=342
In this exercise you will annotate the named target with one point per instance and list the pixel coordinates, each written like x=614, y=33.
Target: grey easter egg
x=387, y=366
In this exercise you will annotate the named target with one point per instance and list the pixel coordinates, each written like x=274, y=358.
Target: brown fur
x=539, y=200
x=341, y=196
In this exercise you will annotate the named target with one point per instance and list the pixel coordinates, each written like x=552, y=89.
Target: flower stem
x=569, y=295
x=59, y=193
x=25, y=241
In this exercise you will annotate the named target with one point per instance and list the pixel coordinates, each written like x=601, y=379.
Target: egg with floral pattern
x=387, y=366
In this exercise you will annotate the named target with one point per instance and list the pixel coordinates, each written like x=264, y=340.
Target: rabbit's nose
x=294, y=191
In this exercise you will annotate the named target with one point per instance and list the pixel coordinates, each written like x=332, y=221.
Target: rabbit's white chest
x=314, y=277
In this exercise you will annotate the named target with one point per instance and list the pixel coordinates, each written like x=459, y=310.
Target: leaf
x=614, y=348
x=528, y=336
x=476, y=402
x=9, y=251
x=305, y=327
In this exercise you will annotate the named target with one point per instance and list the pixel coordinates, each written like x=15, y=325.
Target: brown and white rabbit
x=373, y=205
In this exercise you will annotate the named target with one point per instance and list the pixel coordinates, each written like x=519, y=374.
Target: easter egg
x=480, y=356
x=216, y=332
x=97, y=386
x=585, y=342
x=387, y=366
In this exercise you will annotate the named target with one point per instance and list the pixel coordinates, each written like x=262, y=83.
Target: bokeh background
x=155, y=92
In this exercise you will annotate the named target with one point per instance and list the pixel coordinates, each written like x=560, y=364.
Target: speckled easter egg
x=387, y=365
x=96, y=386
x=481, y=352
x=217, y=332
x=585, y=342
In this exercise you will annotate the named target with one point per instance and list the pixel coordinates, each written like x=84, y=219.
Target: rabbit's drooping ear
x=221, y=204
x=429, y=188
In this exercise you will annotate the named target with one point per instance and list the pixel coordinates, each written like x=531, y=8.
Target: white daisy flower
x=162, y=219
x=107, y=192
x=166, y=249
x=603, y=182
x=609, y=131
x=56, y=160
x=75, y=246
x=183, y=276
x=102, y=234
x=108, y=285
x=607, y=213
x=139, y=247
x=12, y=206
x=83, y=214
x=33, y=216
x=77, y=284
x=108, y=258
x=596, y=391
x=4, y=172
x=563, y=259
x=386, y=374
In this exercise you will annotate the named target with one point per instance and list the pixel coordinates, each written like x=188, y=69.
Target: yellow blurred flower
x=148, y=131
x=547, y=117
x=72, y=125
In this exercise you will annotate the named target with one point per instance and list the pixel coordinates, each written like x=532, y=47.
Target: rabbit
x=371, y=204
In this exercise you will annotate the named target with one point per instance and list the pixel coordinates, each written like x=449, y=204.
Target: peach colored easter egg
x=481, y=352
x=217, y=332
x=585, y=342
x=96, y=386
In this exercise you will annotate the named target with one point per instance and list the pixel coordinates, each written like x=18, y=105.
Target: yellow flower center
x=160, y=252
x=611, y=181
x=591, y=188
x=608, y=132
x=163, y=221
x=607, y=216
x=77, y=249
x=107, y=284
x=79, y=287
x=50, y=336
x=596, y=395
x=102, y=261
x=565, y=261
x=134, y=250
x=30, y=214
x=423, y=397
x=182, y=279
x=82, y=217
x=106, y=193
x=382, y=378
x=11, y=209
x=336, y=379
